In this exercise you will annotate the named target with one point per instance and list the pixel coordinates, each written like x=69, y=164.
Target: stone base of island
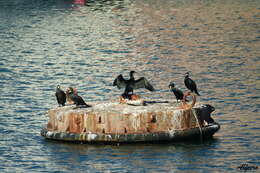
x=114, y=122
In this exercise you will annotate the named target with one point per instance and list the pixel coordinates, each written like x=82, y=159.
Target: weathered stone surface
x=123, y=123
x=171, y=135
x=120, y=118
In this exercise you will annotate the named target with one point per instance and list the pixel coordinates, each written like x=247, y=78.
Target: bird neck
x=132, y=76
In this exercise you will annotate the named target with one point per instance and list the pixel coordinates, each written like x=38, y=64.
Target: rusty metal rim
x=172, y=135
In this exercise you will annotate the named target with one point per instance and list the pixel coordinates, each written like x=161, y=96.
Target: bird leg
x=126, y=94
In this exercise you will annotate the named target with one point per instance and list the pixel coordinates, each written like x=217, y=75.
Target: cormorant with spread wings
x=131, y=84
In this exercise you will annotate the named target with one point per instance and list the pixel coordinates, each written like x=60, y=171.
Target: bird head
x=211, y=108
x=187, y=74
x=58, y=86
x=171, y=85
x=69, y=90
x=132, y=72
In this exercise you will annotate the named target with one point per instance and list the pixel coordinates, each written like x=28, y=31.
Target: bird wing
x=80, y=100
x=190, y=84
x=143, y=83
x=60, y=93
x=178, y=93
x=193, y=83
x=120, y=82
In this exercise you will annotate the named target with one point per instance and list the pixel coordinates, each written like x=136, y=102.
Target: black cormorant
x=60, y=96
x=177, y=92
x=206, y=113
x=190, y=84
x=78, y=100
x=131, y=84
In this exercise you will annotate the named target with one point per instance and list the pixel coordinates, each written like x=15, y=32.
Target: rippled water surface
x=50, y=42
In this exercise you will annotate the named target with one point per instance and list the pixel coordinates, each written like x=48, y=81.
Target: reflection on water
x=86, y=44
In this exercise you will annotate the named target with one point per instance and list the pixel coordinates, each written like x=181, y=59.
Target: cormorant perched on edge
x=78, y=100
x=131, y=84
x=60, y=96
x=207, y=109
x=190, y=84
x=178, y=93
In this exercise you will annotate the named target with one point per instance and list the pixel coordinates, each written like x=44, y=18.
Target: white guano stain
x=91, y=137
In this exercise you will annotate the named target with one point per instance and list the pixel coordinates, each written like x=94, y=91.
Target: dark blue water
x=50, y=42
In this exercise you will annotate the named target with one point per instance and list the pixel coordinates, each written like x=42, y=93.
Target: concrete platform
x=115, y=122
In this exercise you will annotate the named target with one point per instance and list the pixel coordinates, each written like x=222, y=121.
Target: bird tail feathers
x=197, y=93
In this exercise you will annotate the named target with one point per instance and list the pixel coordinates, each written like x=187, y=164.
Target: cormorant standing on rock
x=60, y=96
x=178, y=93
x=78, y=100
x=131, y=84
x=190, y=84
